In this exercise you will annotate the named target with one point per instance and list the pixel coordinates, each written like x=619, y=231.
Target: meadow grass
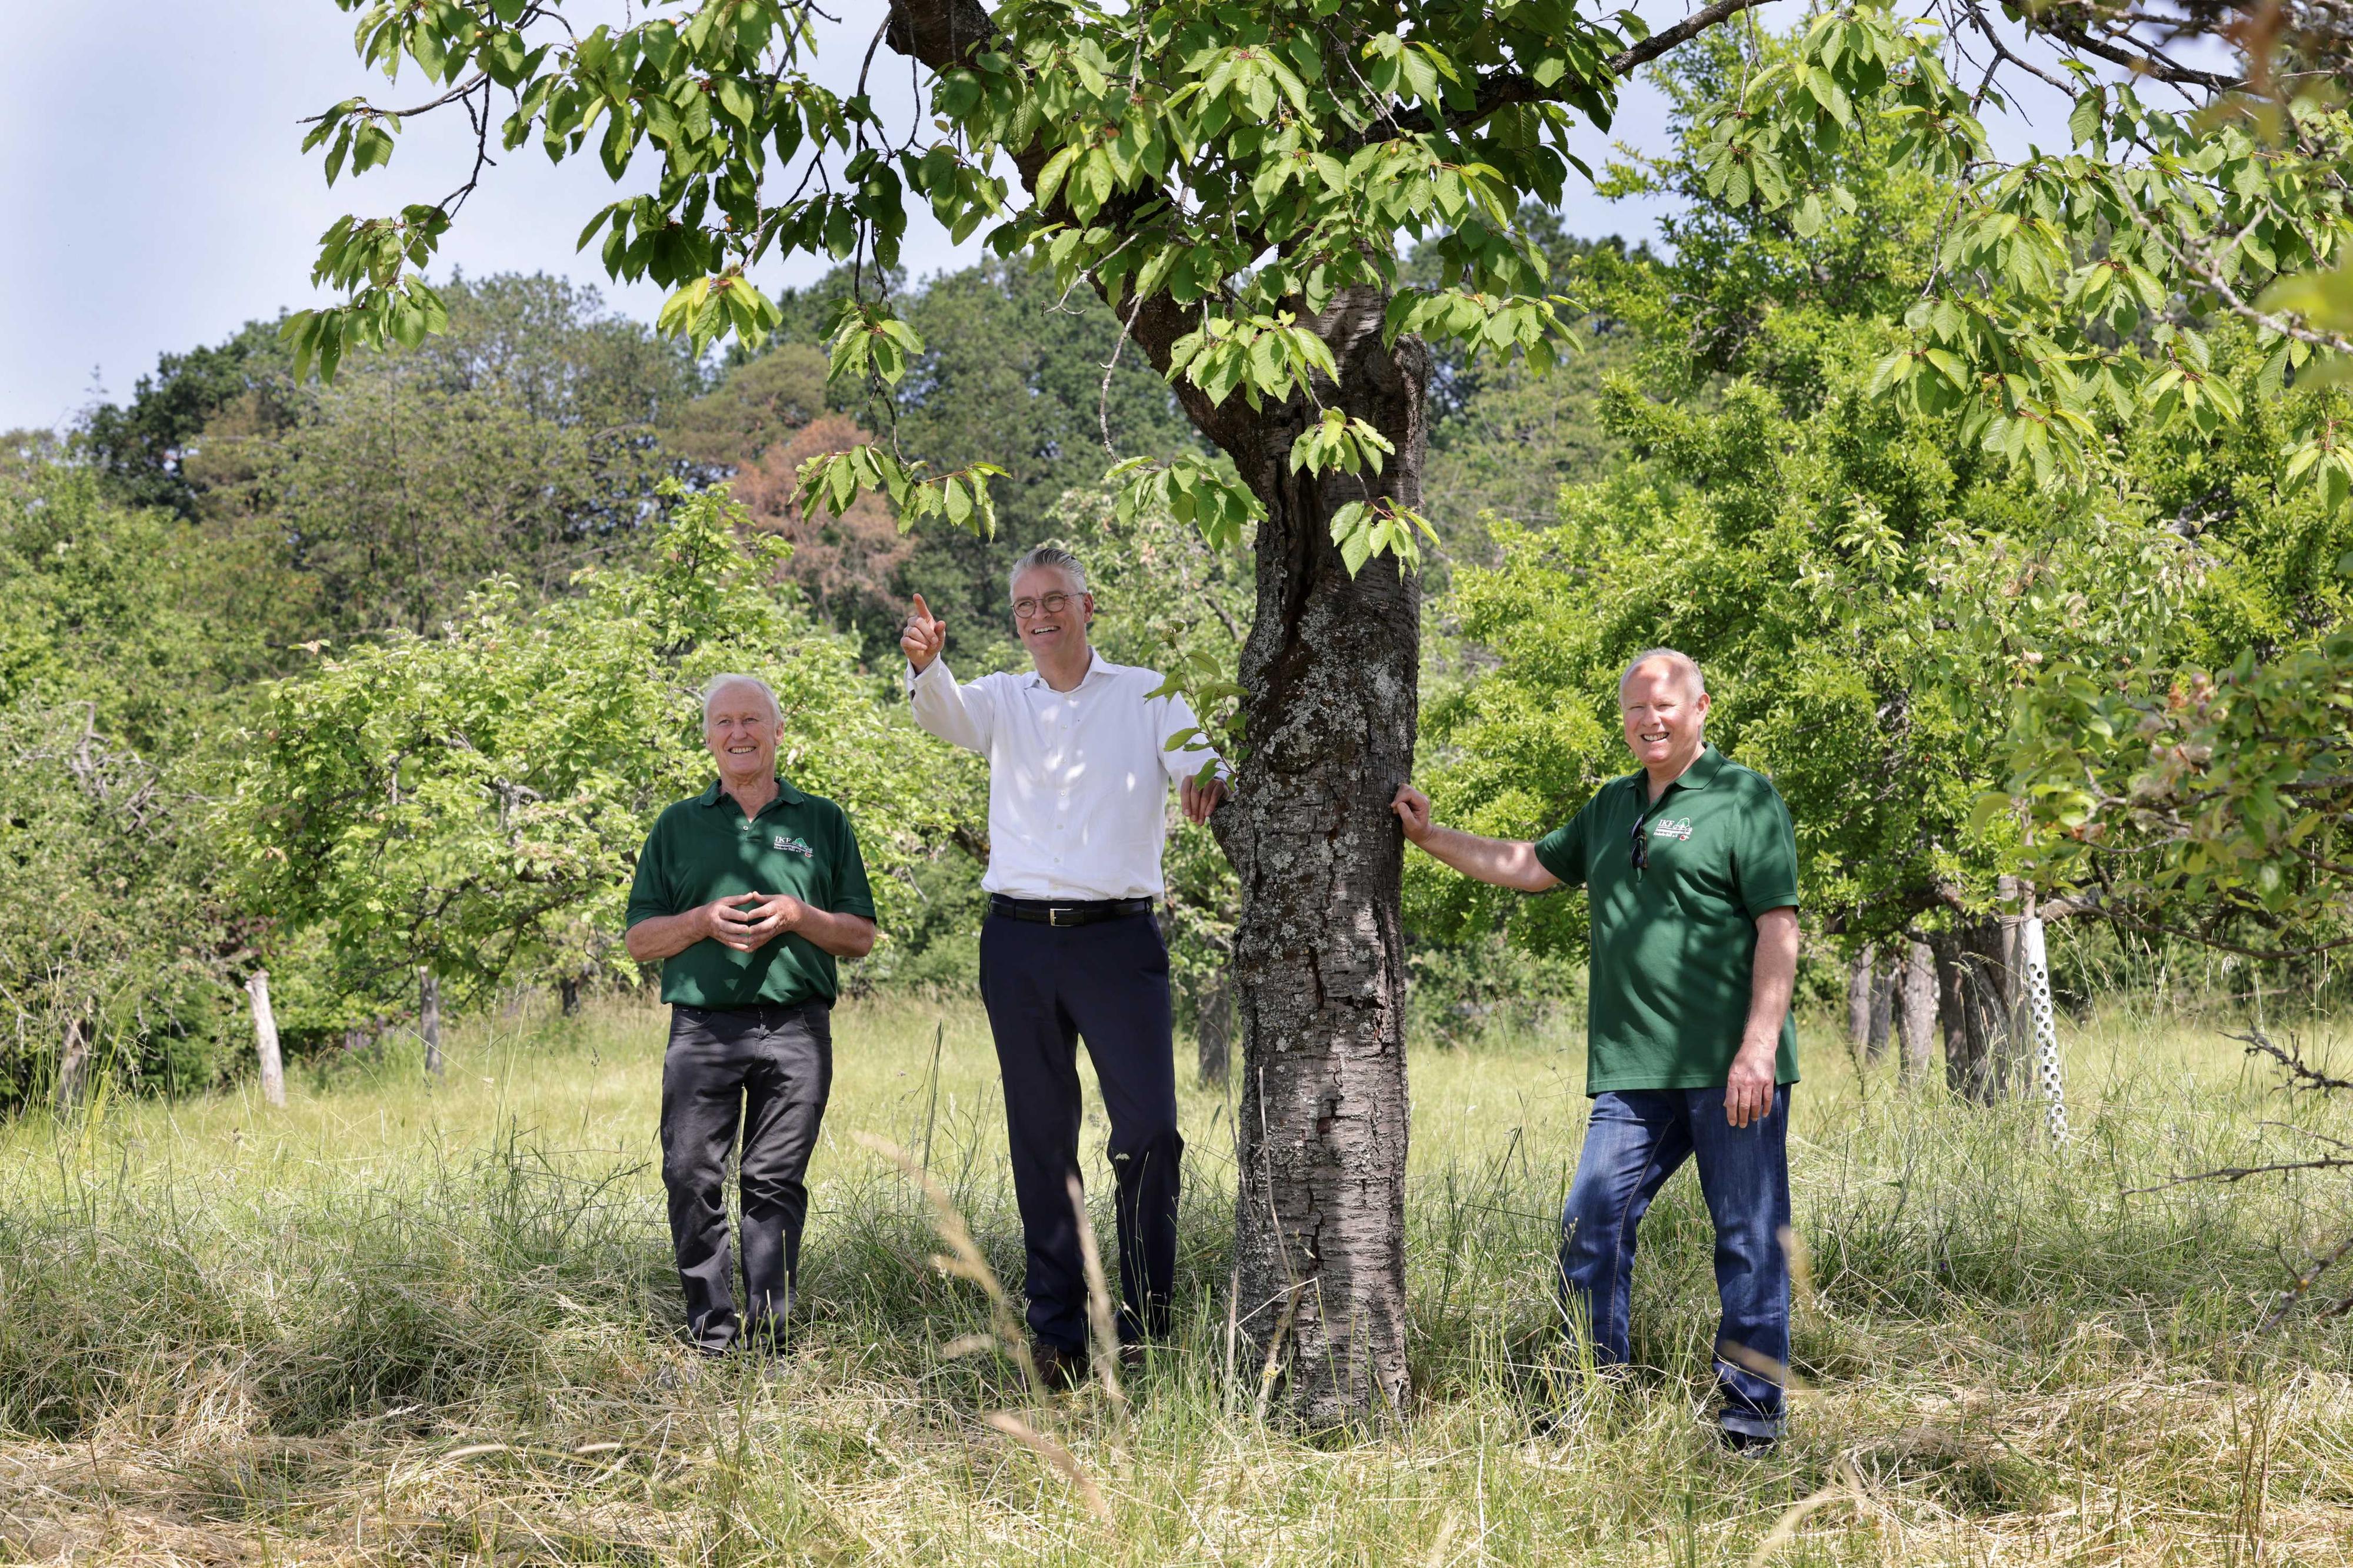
x=400, y=1321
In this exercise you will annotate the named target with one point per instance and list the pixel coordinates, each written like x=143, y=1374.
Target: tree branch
x=2152, y=64
x=2301, y=1074
x=1683, y=32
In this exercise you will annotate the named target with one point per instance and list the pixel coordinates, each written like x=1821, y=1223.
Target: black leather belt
x=1072, y=912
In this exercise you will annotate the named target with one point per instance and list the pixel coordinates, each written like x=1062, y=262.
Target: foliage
x=111, y=677
x=2211, y=805
x=1317, y=134
x=521, y=442
x=472, y=802
x=142, y=449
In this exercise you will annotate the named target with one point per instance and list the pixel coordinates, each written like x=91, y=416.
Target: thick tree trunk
x=1884, y=979
x=73, y=1069
x=1858, y=998
x=1213, y=1029
x=1319, y=961
x=1916, y=1012
x=265, y=1038
x=428, y=1018
x=569, y=989
x=1971, y=1004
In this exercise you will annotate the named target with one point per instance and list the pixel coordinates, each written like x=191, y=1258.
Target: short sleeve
x=1562, y=851
x=650, y=893
x=1765, y=870
x=850, y=893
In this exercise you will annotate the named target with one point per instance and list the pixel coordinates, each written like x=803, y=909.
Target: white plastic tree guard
x=2045, y=1025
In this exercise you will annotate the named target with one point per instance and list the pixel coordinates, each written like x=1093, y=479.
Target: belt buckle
x=1054, y=914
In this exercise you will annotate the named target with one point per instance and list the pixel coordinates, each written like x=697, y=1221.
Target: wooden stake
x=265, y=1038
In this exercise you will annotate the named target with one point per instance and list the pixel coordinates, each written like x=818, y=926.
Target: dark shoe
x=1133, y=1356
x=1737, y=1440
x=1059, y=1370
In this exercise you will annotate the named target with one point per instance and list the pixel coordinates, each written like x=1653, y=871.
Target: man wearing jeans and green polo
x=1689, y=867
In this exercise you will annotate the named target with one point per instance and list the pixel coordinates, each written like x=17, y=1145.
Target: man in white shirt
x=1079, y=771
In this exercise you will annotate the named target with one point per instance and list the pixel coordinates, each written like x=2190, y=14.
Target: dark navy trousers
x=1046, y=988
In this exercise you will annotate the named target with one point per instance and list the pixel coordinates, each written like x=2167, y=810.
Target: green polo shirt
x=706, y=848
x=1674, y=945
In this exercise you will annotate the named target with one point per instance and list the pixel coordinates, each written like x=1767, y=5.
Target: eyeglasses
x=1640, y=853
x=1053, y=604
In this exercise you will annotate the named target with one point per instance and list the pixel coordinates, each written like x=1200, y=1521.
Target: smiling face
x=741, y=733
x=1054, y=626
x=1664, y=717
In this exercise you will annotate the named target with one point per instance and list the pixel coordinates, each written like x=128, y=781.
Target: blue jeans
x=1637, y=1140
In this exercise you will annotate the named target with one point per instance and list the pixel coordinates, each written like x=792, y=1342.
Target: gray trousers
x=765, y=1071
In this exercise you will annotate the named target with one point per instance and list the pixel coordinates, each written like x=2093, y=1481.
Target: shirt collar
x=1699, y=775
x=1096, y=665
x=1702, y=771
x=785, y=795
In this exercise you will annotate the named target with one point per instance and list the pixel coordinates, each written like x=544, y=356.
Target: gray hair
x=1675, y=659
x=1047, y=555
x=720, y=683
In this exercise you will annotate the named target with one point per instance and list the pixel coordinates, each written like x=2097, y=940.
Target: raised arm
x=1506, y=862
x=959, y=715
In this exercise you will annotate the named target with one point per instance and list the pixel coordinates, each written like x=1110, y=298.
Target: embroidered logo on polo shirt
x=1678, y=829
x=793, y=847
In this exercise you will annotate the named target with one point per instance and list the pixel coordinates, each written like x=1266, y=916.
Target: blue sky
x=155, y=198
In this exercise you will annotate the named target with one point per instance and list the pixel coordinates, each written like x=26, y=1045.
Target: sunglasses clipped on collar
x=1640, y=849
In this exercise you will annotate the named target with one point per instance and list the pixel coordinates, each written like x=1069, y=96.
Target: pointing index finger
x=921, y=609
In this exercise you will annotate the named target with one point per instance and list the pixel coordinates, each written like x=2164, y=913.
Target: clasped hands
x=749, y=921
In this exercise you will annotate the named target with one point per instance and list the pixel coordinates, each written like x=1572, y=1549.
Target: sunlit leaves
x=1337, y=440
x=711, y=308
x=1364, y=530
x=1197, y=494
x=870, y=340
x=834, y=480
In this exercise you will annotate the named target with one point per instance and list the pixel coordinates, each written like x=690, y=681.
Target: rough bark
x=73, y=1069
x=1916, y=1012
x=1884, y=978
x=265, y=1038
x=1319, y=961
x=428, y=1018
x=1213, y=1030
x=1972, y=1005
x=1858, y=998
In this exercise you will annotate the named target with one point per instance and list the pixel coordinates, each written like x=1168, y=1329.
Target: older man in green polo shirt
x=1690, y=866
x=745, y=894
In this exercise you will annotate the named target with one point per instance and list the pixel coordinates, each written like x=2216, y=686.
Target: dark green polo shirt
x=706, y=848
x=1674, y=945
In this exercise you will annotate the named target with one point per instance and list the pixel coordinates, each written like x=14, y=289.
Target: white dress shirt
x=1078, y=780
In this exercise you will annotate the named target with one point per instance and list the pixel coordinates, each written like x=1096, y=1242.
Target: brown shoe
x=1059, y=1370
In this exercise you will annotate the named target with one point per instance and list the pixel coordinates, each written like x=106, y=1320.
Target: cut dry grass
x=402, y=1323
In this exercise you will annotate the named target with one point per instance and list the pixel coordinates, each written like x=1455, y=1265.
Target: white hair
x=720, y=683
x=1675, y=659
x=1047, y=555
